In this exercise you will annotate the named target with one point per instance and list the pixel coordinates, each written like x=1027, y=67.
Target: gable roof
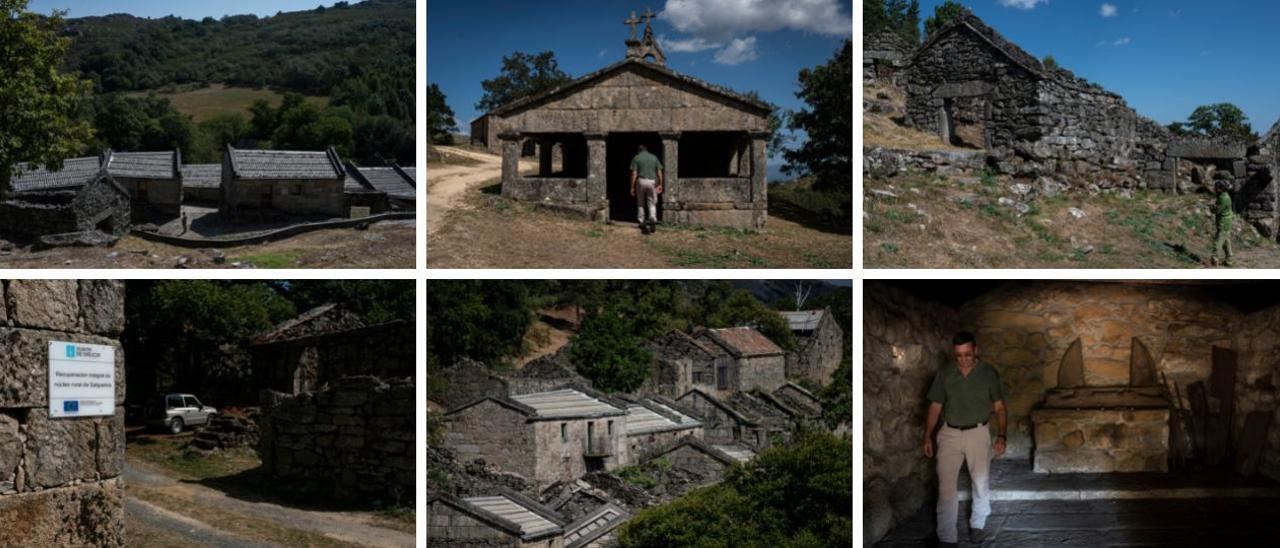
x=285, y=164
x=733, y=413
x=595, y=524
x=326, y=318
x=202, y=176
x=700, y=446
x=647, y=417
x=744, y=341
x=743, y=101
x=163, y=165
x=566, y=403
x=532, y=519
x=803, y=320
x=737, y=451
x=75, y=172
x=394, y=181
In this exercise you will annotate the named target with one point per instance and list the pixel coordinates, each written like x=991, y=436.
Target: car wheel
x=175, y=426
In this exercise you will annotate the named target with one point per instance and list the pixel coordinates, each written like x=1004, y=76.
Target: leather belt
x=970, y=427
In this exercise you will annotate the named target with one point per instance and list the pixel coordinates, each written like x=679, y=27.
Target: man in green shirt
x=964, y=397
x=1222, y=217
x=646, y=176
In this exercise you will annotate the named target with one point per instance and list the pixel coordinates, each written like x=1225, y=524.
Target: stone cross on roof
x=633, y=21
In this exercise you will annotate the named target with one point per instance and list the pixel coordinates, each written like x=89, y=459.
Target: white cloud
x=689, y=45
x=1115, y=43
x=721, y=20
x=1022, y=4
x=738, y=51
x=1108, y=10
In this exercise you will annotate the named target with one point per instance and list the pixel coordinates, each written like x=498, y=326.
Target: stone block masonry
x=59, y=478
x=352, y=439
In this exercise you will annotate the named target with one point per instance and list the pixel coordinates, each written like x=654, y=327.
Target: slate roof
x=396, y=182
x=701, y=447
x=733, y=413
x=738, y=452
x=594, y=525
x=567, y=403
x=564, y=89
x=323, y=319
x=531, y=521
x=643, y=420
x=285, y=164
x=744, y=342
x=803, y=320
x=144, y=165
x=75, y=172
x=202, y=175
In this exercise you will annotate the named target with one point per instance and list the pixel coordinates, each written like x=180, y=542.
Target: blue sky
x=1165, y=57
x=725, y=42
x=185, y=9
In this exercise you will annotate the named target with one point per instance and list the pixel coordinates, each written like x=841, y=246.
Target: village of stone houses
x=194, y=413
x=588, y=426
x=239, y=142
x=978, y=154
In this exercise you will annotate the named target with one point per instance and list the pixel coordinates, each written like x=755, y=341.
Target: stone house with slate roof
x=548, y=436
x=362, y=198
x=153, y=179
x=655, y=422
x=397, y=183
x=259, y=184
x=505, y=518
x=800, y=399
x=757, y=361
x=696, y=456
x=596, y=529
x=202, y=184
x=80, y=198
x=819, y=345
x=327, y=342
x=722, y=423
x=682, y=363
x=711, y=142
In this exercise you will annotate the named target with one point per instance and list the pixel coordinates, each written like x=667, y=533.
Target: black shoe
x=653, y=226
x=644, y=228
x=976, y=536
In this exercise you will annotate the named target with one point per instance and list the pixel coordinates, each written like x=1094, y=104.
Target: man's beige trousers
x=956, y=447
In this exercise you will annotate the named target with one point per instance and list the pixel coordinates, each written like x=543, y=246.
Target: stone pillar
x=759, y=175
x=544, y=157
x=670, y=169
x=597, y=168
x=59, y=477
x=510, y=163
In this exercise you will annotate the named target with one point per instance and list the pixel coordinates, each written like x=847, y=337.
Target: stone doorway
x=962, y=121
x=620, y=149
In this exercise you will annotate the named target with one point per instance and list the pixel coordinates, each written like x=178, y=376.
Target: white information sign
x=82, y=380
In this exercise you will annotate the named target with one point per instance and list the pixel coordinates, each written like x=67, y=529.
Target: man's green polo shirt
x=646, y=164
x=966, y=400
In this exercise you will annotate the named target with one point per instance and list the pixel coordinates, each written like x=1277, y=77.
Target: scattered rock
x=1050, y=188
x=88, y=238
x=1076, y=212
x=883, y=193
x=1021, y=189
x=967, y=199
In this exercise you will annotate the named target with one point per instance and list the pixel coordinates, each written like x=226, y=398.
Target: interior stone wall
x=905, y=341
x=1259, y=346
x=1024, y=329
x=59, y=478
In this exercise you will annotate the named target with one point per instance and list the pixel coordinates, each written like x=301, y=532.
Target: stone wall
x=818, y=353
x=1257, y=379
x=498, y=434
x=1101, y=440
x=354, y=439
x=905, y=341
x=306, y=363
x=1024, y=330
x=767, y=373
x=59, y=478
x=883, y=55
x=322, y=197
x=99, y=206
x=562, y=458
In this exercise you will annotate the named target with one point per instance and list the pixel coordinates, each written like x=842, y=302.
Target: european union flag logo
x=70, y=406
x=71, y=351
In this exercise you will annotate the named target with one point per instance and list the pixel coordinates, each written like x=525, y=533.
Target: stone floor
x=1201, y=508
x=1182, y=522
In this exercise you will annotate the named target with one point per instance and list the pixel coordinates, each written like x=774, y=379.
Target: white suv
x=177, y=411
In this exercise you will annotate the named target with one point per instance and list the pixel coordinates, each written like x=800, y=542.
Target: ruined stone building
x=202, y=184
x=81, y=200
x=545, y=436
x=682, y=363
x=819, y=345
x=506, y=518
x=883, y=54
x=800, y=399
x=739, y=419
x=654, y=423
x=757, y=362
x=327, y=342
x=544, y=374
x=153, y=179
x=265, y=184
x=974, y=88
x=60, y=481
x=711, y=142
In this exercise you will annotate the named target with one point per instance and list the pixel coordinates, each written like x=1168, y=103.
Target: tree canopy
x=440, y=118
x=522, y=75
x=1223, y=120
x=38, y=102
x=899, y=16
x=943, y=16
x=791, y=495
x=605, y=351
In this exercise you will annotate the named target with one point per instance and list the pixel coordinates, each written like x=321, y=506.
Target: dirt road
x=447, y=182
x=169, y=505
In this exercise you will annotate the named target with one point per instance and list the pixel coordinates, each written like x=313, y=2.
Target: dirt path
x=150, y=484
x=447, y=183
x=151, y=525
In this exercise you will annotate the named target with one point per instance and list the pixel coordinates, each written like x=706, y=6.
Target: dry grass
x=203, y=103
x=885, y=129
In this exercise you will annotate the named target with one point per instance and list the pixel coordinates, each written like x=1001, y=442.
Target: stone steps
x=1013, y=480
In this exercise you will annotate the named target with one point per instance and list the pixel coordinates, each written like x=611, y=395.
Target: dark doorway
x=620, y=149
